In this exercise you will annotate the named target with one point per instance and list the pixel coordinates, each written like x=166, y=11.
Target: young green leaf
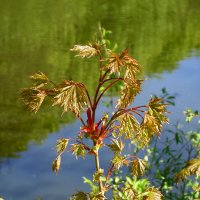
x=97, y=175
x=117, y=146
x=33, y=98
x=116, y=62
x=153, y=194
x=158, y=109
x=78, y=150
x=93, y=186
x=142, y=137
x=128, y=125
x=56, y=164
x=118, y=161
x=79, y=196
x=96, y=196
x=192, y=168
x=129, y=192
x=71, y=96
x=190, y=114
x=138, y=167
x=128, y=92
x=86, y=50
x=61, y=145
x=151, y=124
x=39, y=79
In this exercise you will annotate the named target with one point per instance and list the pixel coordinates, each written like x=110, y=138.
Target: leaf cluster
x=192, y=168
x=137, y=189
x=137, y=124
x=61, y=146
x=70, y=95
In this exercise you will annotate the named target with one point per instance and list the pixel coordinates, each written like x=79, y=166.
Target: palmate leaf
x=128, y=125
x=116, y=62
x=157, y=109
x=71, y=96
x=153, y=194
x=129, y=193
x=39, y=79
x=61, y=145
x=86, y=50
x=192, y=168
x=151, y=124
x=153, y=121
x=148, y=127
x=117, y=146
x=78, y=150
x=132, y=66
x=138, y=167
x=118, y=161
x=96, y=196
x=143, y=137
x=33, y=98
x=128, y=92
x=197, y=188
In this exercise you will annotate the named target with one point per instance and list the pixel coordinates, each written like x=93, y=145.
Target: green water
x=37, y=35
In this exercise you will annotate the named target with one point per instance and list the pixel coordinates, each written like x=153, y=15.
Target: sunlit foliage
x=138, y=124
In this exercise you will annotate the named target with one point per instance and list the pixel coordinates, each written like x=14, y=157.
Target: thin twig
x=110, y=85
x=81, y=119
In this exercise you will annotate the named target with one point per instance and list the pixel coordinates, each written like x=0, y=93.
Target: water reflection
x=36, y=35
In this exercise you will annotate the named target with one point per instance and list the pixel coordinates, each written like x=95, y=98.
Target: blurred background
x=36, y=35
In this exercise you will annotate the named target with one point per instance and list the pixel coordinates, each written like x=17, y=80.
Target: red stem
x=110, y=85
x=122, y=111
x=88, y=96
x=105, y=74
x=110, y=171
x=100, y=66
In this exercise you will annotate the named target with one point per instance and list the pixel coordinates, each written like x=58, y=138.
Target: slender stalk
x=97, y=170
x=88, y=96
x=109, y=79
x=100, y=67
x=110, y=85
x=52, y=82
x=105, y=74
x=110, y=171
x=122, y=111
x=81, y=119
x=94, y=102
